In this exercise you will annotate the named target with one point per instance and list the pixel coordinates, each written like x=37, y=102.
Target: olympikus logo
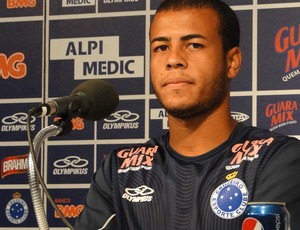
x=139, y=194
x=247, y=151
x=12, y=66
x=14, y=165
x=11, y=4
x=16, y=123
x=281, y=113
x=136, y=158
x=122, y=119
x=286, y=42
x=71, y=165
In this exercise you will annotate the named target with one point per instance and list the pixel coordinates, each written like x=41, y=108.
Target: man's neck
x=196, y=136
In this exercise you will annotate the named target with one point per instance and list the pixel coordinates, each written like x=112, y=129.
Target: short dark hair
x=229, y=28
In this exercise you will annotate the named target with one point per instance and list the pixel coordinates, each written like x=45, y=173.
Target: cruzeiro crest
x=16, y=209
x=229, y=200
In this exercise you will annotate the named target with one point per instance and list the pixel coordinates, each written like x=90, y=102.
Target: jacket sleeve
x=280, y=180
x=98, y=212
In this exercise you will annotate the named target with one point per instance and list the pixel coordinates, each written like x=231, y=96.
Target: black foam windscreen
x=103, y=97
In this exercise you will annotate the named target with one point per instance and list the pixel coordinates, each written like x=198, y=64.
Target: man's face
x=188, y=67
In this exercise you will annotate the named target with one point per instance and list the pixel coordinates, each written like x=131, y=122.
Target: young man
x=201, y=174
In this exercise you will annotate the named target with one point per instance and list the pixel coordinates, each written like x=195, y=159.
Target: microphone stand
x=58, y=128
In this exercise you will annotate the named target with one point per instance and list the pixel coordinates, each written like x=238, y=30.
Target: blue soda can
x=266, y=216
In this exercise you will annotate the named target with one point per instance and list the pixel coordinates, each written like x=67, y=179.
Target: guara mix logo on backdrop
x=281, y=113
x=287, y=42
x=96, y=56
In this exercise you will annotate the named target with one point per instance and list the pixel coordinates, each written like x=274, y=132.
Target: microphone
x=91, y=100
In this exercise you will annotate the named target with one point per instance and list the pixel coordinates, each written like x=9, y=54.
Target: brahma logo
x=122, y=119
x=11, y=4
x=247, y=151
x=13, y=66
x=281, y=113
x=252, y=224
x=286, y=42
x=135, y=159
x=229, y=200
x=139, y=194
x=14, y=165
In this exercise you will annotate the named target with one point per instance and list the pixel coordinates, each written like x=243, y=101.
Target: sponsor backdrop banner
x=48, y=47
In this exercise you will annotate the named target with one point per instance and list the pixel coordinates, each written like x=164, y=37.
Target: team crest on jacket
x=229, y=200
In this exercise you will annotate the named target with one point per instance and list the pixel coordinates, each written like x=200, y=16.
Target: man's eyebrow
x=192, y=36
x=160, y=39
x=184, y=38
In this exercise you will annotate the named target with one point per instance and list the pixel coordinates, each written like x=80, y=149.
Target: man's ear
x=233, y=61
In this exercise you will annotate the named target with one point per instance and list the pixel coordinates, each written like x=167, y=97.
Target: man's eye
x=196, y=45
x=161, y=48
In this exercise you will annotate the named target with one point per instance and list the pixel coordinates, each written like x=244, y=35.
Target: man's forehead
x=184, y=22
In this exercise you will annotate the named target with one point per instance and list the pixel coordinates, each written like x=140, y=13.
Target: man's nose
x=176, y=59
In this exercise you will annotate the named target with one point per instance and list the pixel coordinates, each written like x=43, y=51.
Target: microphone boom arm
x=34, y=176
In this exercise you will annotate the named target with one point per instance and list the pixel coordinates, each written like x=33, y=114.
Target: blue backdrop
x=48, y=47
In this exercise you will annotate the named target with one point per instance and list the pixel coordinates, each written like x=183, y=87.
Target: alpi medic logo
x=287, y=42
x=137, y=158
x=139, y=194
x=247, y=151
x=16, y=209
x=229, y=200
x=281, y=113
x=160, y=114
x=96, y=57
x=72, y=3
x=122, y=119
x=13, y=66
